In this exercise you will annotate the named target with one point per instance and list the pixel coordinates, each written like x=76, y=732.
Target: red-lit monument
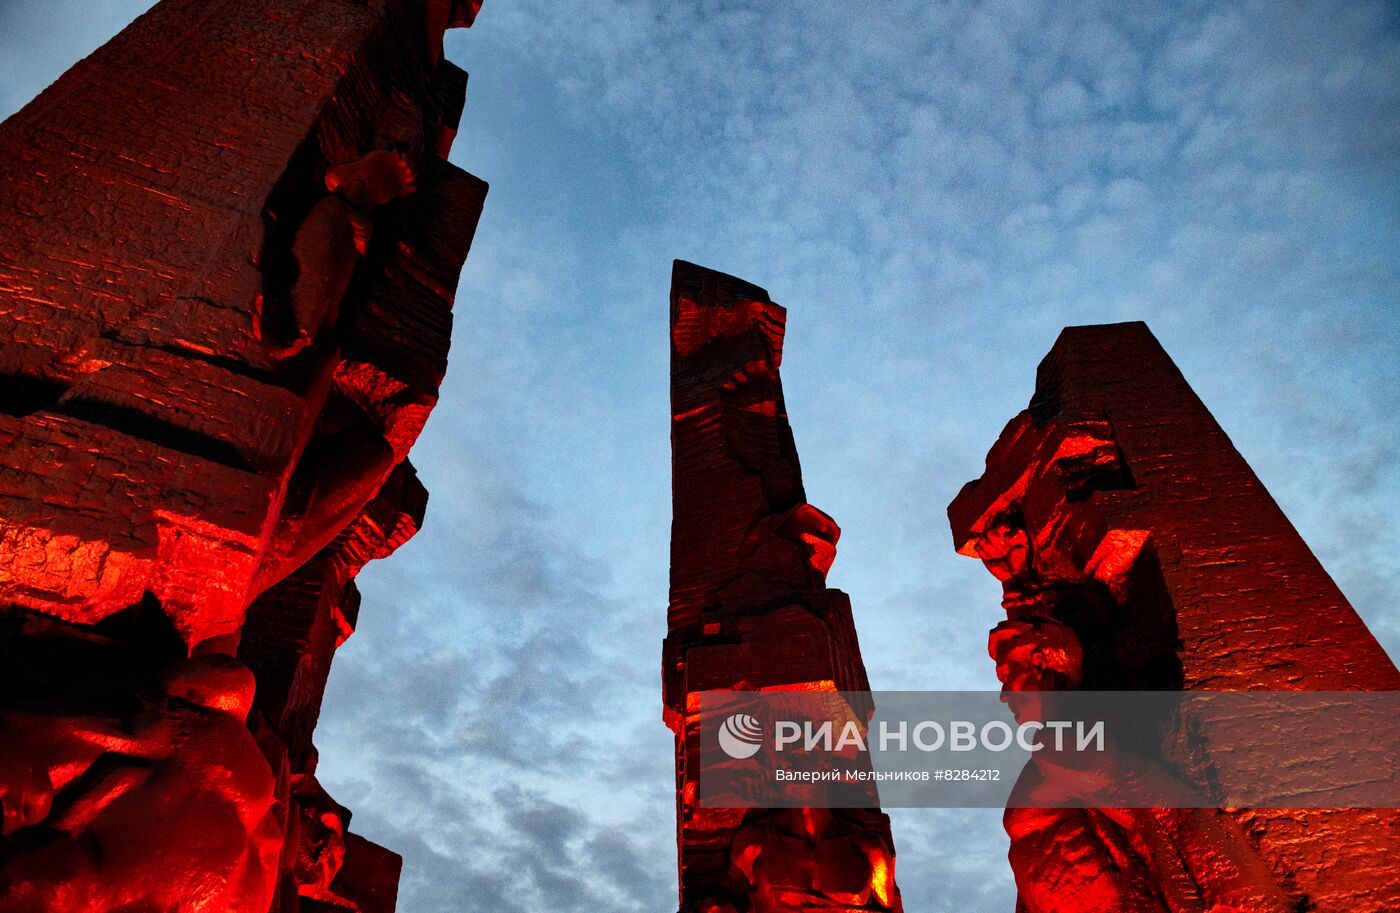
x=1138, y=551
x=750, y=609
x=229, y=242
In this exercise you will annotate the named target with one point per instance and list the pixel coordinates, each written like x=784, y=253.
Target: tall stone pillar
x=1138, y=551
x=750, y=609
x=229, y=243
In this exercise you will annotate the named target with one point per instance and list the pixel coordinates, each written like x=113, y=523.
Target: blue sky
x=933, y=191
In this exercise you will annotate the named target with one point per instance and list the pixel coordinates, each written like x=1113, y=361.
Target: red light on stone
x=1137, y=551
x=750, y=609
x=232, y=266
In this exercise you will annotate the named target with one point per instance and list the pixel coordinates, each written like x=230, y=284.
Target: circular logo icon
x=740, y=736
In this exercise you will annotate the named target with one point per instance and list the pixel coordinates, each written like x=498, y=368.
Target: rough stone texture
x=750, y=610
x=1137, y=550
x=229, y=242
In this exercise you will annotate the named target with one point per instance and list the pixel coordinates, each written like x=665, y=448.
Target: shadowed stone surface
x=229, y=241
x=1137, y=550
x=750, y=609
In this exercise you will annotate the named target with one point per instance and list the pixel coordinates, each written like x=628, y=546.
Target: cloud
x=479, y=709
x=504, y=677
x=39, y=41
x=1067, y=101
x=934, y=193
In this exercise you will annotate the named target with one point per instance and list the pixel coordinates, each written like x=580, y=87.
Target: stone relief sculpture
x=216, y=357
x=227, y=268
x=1137, y=551
x=750, y=609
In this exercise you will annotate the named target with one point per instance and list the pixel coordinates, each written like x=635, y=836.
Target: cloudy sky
x=933, y=190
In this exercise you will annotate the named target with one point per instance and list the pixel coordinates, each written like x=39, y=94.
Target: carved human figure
x=343, y=468
x=812, y=858
x=160, y=802
x=815, y=532
x=320, y=838
x=336, y=233
x=349, y=458
x=327, y=247
x=380, y=177
x=1004, y=548
x=786, y=546
x=1078, y=860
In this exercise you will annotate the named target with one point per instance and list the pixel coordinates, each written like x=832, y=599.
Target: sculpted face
x=815, y=533
x=1004, y=546
x=1036, y=656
